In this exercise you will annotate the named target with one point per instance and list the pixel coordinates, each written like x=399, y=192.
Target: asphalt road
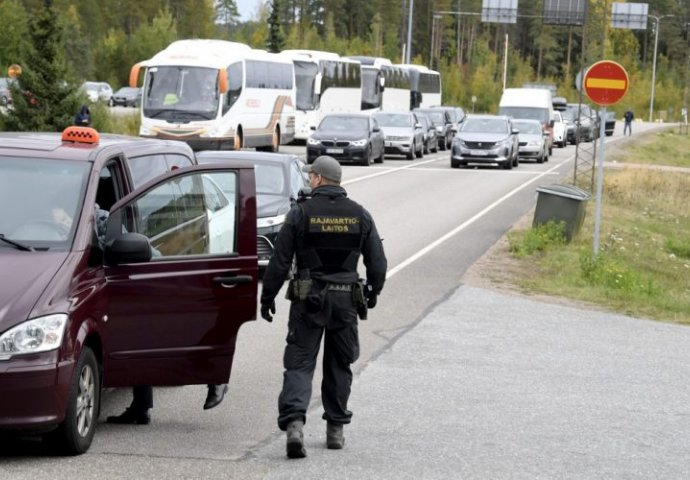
x=423, y=388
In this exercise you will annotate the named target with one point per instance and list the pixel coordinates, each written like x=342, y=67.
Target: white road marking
x=464, y=225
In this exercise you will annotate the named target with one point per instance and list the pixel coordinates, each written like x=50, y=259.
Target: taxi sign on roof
x=606, y=82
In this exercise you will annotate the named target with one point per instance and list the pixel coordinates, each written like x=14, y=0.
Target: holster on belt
x=298, y=289
x=359, y=299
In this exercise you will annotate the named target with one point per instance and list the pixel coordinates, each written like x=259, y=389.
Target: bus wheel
x=275, y=141
x=238, y=140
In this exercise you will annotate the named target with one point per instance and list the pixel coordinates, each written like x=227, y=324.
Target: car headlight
x=313, y=141
x=360, y=143
x=439, y=129
x=37, y=335
x=533, y=143
x=270, y=221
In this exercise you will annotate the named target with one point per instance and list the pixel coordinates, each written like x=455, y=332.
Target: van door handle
x=229, y=282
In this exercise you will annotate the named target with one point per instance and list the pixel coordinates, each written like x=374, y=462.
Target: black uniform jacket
x=289, y=241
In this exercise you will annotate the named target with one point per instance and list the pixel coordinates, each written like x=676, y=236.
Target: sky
x=247, y=8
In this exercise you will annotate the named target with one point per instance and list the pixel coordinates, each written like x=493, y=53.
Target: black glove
x=267, y=310
x=371, y=300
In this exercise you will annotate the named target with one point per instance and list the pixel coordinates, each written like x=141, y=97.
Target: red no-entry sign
x=606, y=82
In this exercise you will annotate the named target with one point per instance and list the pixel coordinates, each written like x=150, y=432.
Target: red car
x=124, y=263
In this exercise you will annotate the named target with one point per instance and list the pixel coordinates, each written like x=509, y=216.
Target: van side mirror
x=128, y=248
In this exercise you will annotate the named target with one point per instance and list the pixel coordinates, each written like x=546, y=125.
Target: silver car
x=486, y=139
x=532, y=140
x=403, y=134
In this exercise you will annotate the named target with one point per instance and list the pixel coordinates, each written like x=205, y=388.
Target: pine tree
x=276, y=39
x=43, y=98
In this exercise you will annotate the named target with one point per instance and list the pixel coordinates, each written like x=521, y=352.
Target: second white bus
x=385, y=87
x=326, y=83
x=425, y=86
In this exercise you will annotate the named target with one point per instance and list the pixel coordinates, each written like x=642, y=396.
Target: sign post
x=605, y=83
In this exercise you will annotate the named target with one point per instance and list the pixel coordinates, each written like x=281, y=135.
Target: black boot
x=131, y=417
x=335, y=440
x=295, y=440
x=216, y=393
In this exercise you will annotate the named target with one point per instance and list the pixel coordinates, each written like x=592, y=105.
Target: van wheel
x=75, y=433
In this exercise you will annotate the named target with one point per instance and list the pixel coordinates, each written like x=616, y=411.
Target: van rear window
x=541, y=114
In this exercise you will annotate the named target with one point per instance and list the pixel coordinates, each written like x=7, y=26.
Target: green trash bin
x=565, y=203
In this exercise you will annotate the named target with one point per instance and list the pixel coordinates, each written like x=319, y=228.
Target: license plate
x=334, y=150
x=478, y=153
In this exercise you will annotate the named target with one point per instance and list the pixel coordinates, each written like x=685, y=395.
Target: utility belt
x=300, y=290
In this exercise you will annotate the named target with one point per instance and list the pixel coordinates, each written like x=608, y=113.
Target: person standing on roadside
x=628, y=117
x=326, y=234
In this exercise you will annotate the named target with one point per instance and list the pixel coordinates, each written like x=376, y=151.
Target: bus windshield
x=181, y=93
x=305, y=75
x=371, y=88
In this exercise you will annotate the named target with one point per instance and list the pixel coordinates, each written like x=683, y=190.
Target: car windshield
x=343, y=123
x=127, y=91
x=46, y=199
x=485, y=125
x=270, y=179
x=437, y=117
x=528, y=127
x=394, y=120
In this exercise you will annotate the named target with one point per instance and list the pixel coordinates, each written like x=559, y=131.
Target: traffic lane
x=420, y=204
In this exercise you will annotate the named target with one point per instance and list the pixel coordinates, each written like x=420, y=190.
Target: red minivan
x=122, y=263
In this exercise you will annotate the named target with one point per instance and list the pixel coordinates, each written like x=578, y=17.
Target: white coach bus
x=425, y=86
x=385, y=87
x=217, y=95
x=326, y=83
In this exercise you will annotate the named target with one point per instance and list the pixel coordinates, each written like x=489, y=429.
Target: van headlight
x=37, y=335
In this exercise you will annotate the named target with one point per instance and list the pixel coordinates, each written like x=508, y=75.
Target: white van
x=529, y=103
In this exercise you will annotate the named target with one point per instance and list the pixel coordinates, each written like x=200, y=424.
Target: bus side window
x=235, y=75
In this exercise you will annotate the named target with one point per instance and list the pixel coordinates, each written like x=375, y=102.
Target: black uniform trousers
x=142, y=398
x=336, y=321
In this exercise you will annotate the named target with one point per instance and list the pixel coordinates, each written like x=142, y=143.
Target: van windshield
x=46, y=198
x=531, y=113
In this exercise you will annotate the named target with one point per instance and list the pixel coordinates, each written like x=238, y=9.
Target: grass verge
x=643, y=265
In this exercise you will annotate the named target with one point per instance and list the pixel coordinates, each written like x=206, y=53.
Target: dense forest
x=101, y=39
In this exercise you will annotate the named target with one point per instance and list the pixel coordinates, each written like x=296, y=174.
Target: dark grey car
x=444, y=125
x=347, y=137
x=486, y=139
x=430, y=137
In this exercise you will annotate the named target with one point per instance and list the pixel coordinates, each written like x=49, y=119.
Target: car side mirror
x=417, y=125
x=551, y=123
x=454, y=129
x=313, y=127
x=376, y=129
x=128, y=248
x=515, y=131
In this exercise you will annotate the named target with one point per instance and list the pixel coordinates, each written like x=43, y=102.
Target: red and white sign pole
x=605, y=83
